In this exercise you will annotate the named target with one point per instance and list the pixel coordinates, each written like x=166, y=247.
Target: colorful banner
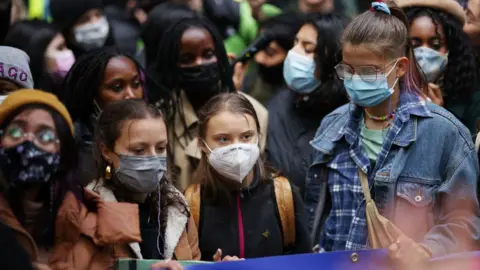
x=344, y=260
x=361, y=260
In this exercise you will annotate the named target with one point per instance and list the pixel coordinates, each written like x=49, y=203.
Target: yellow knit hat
x=448, y=6
x=30, y=96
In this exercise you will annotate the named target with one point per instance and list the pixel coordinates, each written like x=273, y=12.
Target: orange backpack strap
x=286, y=208
x=192, y=194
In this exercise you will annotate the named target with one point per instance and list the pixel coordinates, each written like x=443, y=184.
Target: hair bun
x=381, y=6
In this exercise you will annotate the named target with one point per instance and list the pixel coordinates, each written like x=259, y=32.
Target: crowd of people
x=231, y=130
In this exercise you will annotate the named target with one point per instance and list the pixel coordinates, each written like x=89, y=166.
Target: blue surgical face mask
x=298, y=71
x=371, y=90
x=432, y=63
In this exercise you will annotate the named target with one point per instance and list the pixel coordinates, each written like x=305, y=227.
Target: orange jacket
x=83, y=240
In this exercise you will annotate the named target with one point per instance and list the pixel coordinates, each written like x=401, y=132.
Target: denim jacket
x=424, y=180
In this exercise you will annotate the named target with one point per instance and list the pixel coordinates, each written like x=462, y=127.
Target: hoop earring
x=108, y=173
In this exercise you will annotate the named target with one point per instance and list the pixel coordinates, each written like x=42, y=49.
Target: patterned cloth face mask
x=27, y=163
x=433, y=63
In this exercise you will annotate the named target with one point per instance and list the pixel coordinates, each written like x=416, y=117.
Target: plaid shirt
x=346, y=227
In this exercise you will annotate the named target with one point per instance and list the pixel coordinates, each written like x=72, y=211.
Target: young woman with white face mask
x=83, y=24
x=131, y=140
x=236, y=204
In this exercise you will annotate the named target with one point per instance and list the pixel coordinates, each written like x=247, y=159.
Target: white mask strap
x=391, y=70
x=204, y=142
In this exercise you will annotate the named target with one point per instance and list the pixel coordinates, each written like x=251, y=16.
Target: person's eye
x=209, y=54
x=138, y=151
x=161, y=149
x=46, y=136
x=15, y=132
x=136, y=84
x=309, y=50
x=117, y=88
x=367, y=71
x=222, y=139
x=247, y=137
x=436, y=45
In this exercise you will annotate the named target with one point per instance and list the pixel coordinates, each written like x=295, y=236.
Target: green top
x=372, y=141
x=248, y=28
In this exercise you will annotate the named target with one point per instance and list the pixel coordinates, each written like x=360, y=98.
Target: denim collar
x=410, y=104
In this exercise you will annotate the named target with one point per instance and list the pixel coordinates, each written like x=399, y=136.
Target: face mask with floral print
x=25, y=163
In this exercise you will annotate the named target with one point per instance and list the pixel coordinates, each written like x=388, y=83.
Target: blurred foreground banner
x=359, y=260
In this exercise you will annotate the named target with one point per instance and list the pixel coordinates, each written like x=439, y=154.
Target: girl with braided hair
x=445, y=56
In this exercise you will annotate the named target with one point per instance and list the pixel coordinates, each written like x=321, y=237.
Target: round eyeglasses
x=366, y=73
x=45, y=139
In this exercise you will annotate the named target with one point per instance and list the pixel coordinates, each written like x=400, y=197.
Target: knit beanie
x=451, y=7
x=30, y=96
x=66, y=12
x=14, y=66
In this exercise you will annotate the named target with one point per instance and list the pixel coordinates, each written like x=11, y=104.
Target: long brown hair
x=386, y=35
x=213, y=184
x=108, y=130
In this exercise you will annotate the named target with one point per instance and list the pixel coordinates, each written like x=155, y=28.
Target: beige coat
x=186, y=149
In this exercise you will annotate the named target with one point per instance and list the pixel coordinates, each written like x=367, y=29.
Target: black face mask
x=200, y=83
x=27, y=164
x=271, y=75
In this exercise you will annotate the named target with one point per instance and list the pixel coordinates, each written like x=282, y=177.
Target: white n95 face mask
x=234, y=161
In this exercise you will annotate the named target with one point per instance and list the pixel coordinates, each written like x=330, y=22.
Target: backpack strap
x=192, y=194
x=286, y=208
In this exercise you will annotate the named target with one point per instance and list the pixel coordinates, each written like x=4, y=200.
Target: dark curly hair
x=108, y=130
x=460, y=77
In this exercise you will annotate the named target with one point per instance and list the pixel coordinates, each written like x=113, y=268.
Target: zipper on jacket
x=241, y=237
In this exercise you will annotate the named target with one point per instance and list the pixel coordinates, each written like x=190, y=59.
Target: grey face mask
x=141, y=174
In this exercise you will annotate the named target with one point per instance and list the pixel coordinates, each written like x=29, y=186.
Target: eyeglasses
x=366, y=73
x=45, y=139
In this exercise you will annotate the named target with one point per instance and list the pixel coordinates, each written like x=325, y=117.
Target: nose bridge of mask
x=142, y=163
x=235, y=144
x=300, y=59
